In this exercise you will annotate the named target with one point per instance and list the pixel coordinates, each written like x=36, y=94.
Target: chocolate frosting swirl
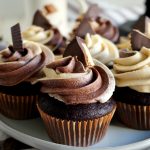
x=69, y=81
x=16, y=66
x=99, y=26
x=105, y=28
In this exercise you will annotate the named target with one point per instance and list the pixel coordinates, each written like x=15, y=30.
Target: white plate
x=118, y=137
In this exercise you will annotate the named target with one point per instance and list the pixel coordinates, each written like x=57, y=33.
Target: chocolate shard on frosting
x=140, y=24
x=78, y=48
x=84, y=28
x=139, y=39
x=40, y=20
x=16, y=38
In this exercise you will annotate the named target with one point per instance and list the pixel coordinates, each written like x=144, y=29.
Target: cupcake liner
x=18, y=107
x=76, y=133
x=134, y=116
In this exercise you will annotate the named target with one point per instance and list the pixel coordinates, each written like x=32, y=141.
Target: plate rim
x=34, y=142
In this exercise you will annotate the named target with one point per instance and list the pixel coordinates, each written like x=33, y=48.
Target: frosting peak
x=101, y=48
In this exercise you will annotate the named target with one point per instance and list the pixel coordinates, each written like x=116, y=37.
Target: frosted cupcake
x=92, y=23
x=131, y=72
x=76, y=104
x=20, y=65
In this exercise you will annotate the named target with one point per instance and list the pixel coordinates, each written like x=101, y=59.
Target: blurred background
x=22, y=11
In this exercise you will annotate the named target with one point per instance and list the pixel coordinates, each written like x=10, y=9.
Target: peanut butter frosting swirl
x=132, y=69
x=19, y=66
x=101, y=49
x=69, y=81
x=50, y=37
x=38, y=34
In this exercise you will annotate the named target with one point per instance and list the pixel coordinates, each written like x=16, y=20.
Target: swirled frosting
x=19, y=66
x=101, y=48
x=132, y=70
x=124, y=43
x=105, y=28
x=69, y=81
x=96, y=25
x=50, y=37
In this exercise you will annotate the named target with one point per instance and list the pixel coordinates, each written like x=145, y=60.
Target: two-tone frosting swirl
x=51, y=38
x=132, y=70
x=105, y=28
x=19, y=66
x=95, y=25
x=69, y=81
x=101, y=49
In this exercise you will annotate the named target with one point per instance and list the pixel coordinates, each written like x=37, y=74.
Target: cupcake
x=56, y=14
x=76, y=104
x=43, y=32
x=92, y=23
x=132, y=92
x=20, y=65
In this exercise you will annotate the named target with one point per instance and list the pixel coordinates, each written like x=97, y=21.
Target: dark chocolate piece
x=78, y=112
x=126, y=53
x=129, y=96
x=16, y=38
x=84, y=28
x=93, y=12
x=138, y=40
x=40, y=20
x=140, y=24
x=75, y=48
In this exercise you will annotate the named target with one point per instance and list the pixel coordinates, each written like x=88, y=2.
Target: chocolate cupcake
x=76, y=104
x=20, y=65
x=92, y=23
x=42, y=31
x=132, y=73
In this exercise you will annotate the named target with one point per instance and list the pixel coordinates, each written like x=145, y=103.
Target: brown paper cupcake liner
x=76, y=133
x=134, y=116
x=18, y=107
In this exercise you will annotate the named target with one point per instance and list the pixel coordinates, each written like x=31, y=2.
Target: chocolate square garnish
x=17, y=38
